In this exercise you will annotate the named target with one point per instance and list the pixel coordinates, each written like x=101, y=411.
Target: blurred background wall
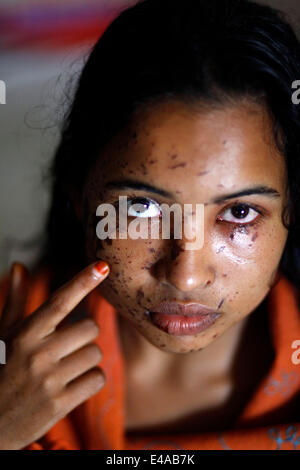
x=43, y=45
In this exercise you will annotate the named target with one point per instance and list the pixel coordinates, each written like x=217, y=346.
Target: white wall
x=35, y=85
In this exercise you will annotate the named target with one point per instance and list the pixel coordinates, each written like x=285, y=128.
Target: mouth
x=178, y=318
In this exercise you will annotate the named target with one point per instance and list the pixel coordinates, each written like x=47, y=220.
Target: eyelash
x=149, y=200
x=254, y=222
x=137, y=198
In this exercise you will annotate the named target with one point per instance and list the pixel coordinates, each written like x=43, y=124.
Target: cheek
x=261, y=245
x=131, y=262
x=247, y=260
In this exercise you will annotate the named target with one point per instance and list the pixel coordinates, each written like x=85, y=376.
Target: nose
x=185, y=269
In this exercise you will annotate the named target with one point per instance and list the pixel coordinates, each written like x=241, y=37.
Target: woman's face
x=192, y=157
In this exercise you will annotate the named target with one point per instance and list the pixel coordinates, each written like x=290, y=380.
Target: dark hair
x=193, y=50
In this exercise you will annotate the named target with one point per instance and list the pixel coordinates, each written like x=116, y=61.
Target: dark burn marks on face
x=242, y=229
x=132, y=284
x=139, y=295
x=114, y=289
x=178, y=165
x=144, y=169
x=239, y=229
x=147, y=265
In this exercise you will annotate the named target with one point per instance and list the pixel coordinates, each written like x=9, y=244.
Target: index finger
x=65, y=299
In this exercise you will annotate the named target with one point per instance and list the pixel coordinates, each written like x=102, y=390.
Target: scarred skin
x=195, y=155
x=223, y=151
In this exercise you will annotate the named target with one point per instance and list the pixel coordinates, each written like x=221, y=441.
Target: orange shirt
x=99, y=422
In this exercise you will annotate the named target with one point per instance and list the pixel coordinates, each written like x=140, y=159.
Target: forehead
x=178, y=147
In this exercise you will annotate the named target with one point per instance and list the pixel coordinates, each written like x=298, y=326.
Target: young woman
x=180, y=102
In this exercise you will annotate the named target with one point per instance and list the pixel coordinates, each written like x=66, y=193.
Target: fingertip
x=101, y=378
x=100, y=269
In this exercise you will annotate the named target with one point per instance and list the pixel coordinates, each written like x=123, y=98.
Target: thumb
x=13, y=310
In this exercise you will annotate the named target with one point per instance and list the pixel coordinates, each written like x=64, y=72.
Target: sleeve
x=62, y=436
x=34, y=446
x=58, y=444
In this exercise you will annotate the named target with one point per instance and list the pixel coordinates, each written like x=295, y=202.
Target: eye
x=143, y=207
x=239, y=214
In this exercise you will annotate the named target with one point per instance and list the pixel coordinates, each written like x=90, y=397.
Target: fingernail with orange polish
x=100, y=269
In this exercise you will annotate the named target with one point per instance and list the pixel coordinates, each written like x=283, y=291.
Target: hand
x=48, y=372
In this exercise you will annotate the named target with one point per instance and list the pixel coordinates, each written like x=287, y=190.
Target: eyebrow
x=137, y=185
x=140, y=186
x=262, y=190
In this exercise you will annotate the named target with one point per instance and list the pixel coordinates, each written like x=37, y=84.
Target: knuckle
x=18, y=344
x=34, y=364
x=48, y=385
x=56, y=302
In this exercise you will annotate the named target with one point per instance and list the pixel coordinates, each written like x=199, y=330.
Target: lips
x=176, y=308
x=182, y=318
